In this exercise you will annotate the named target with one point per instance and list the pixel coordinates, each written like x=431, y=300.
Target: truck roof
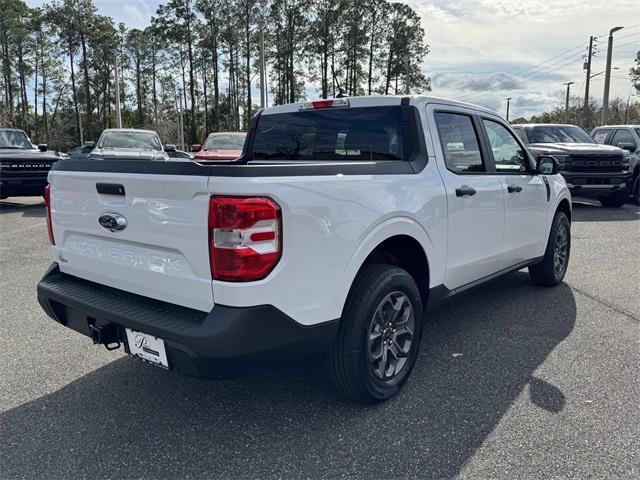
x=381, y=100
x=141, y=130
x=11, y=129
x=544, y=125
x=617, y=126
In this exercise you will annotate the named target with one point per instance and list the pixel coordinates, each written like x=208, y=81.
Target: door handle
x=465, y=190
x=514, y=188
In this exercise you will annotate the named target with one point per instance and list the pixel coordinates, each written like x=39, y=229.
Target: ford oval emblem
x=112, y=221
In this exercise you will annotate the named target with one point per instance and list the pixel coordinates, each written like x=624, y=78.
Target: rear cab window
x=378, y=133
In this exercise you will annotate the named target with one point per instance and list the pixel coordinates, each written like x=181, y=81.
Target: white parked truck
x=340, y=223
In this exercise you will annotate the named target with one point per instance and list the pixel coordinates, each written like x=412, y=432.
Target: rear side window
x=600, y=136
x=351, y=134
x=623, y=137
x=459, y=143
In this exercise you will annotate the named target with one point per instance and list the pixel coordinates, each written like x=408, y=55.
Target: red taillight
x=47, y=202
x=245, y=237
x=331, y=103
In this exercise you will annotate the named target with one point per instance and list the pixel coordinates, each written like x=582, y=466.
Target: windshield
x=14, y=139
x=558, y=134
x=638, y=131
x=224, y=142
x=370, y=133
x=134, y=140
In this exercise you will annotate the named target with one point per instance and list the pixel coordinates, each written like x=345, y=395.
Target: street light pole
x=607, y=77
x=261, y=62
x=586, y=85
x=566, y=101
x=508, y=102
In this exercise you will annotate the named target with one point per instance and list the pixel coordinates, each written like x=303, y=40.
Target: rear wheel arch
x=406, y=252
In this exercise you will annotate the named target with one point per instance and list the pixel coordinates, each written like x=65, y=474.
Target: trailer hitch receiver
x=106, y=335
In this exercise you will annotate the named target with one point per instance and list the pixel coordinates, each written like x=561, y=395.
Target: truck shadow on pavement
x=127, y=419
x=588, y=212
x=27, y=209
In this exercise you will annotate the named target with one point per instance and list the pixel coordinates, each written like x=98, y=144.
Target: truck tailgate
x=161, y=253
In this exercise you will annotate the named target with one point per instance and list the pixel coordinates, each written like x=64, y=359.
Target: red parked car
x=220, y=146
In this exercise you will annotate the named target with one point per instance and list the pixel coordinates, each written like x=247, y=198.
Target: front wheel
x=379, y=337
x=636, y=190
x=614, y=200
x=551, y=270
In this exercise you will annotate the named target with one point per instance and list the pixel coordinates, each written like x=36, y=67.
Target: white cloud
x=481, y=49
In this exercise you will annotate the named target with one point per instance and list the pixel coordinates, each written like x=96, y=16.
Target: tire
x=355, y=362
x=615, y=200
x=636, y=190
x=549, y=273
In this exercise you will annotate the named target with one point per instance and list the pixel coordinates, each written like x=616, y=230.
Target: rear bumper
x=225, y=341
x=595, y=183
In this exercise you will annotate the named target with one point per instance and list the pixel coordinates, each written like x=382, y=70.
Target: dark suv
x=626, y=137
x=590, y=169
x=23, y=167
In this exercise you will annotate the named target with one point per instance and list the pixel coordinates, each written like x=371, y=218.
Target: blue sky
x=483, y=51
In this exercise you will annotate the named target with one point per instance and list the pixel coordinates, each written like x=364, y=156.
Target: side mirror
x=547, y=165
x=629, y=147
x=90, y=145
x=43, y=147
x=196, y=147
x=170, y=147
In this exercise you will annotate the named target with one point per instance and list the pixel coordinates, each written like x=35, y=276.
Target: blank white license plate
x=147, y=347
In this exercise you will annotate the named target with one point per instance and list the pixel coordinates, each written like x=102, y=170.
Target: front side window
x=350, y=134
x=508, y=155
x=558, y=134
x=459, y=143
x=130, y=140
x=600, y=136
x=623, y=137
x=15, y=140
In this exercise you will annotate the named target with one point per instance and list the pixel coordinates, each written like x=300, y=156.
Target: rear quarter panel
x=330, y=225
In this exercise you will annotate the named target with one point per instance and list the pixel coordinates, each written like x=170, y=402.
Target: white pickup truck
x=340, y=223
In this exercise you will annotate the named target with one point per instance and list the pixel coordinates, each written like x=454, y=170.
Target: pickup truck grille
x=11, y=166
x=594, y=163
x=24, y=172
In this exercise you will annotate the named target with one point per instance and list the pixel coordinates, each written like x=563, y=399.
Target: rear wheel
x=551, y=270
x=614, y=200
x=379, y=337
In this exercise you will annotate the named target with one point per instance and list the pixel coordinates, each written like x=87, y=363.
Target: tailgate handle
x=110, y=189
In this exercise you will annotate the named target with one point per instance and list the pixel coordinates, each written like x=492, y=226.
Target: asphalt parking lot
x=513, y=381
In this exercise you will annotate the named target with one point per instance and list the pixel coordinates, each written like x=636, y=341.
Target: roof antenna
x=341, y=92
